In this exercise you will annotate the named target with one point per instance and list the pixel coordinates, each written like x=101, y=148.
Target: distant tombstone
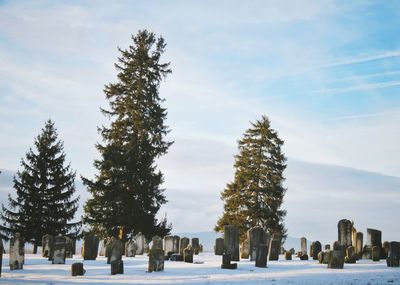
x=274, y=247
x=117, y=267
x=171, y=244
x=183, y=244
x=219, y=246
x=1, y=255
x=288, y=255
x=69, y=247
x=47, y=244
x=292, y=251
x=59, y=255
x=196, y=245
x=156, y=260
x=350, y=255
x=77, y=269
x=17, y=252
x=201, y=248
x=324, y=256
x=376, y=253
x=320, y=257
x=102, y=246
x=157, y=243
x=327, y=247
x=140, y=243
x=114, y=250
x=188, y=254
x=231, y=241
x=303, y=245
x=303, y=256
x=130, y=248
x=90, y=247
x=374, y=238
x=315, y=249
x=385, y=250
x=393, y=254
x=244, y=250
x=226, y=262
x=176, y=257
x=345, y=230
x=336, y=260
x=175, y=244
x=359, y=244
x=256, y=236
x=336, y=246
x=261, y=255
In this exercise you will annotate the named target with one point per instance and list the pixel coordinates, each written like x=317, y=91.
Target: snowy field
x=205, y=270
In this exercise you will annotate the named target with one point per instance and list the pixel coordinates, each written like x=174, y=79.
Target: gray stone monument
x=316, y=247
x=350, y=255
x=374, y=238
x=47, y=244
x=376, y=253
x=130, y=248
x=157, y=243
x=77, y=269
x=336, y=259
x=58, y=252
x=327, y=247
x=156, y=260
x=261, y=255
x=345, y=230
x=303, y=245
x=219, y=246
x=183, y=244
x=288, y=255
x=140, y=243
x=195, y=246
x=188, y=254
x=359, y=245
x=226, y=262
x=17, y=252
x=393, y=254
x=114, y=250
x=274, y=247
x=256, y=236
x=70, y=245
x=90, y=247
x=231, y=241
x=385, y=250
x=245, y=250
x=171, y=244
x=117, y=267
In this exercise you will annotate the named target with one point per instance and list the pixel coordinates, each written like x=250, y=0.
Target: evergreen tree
x=45, y=188
x=255, y=196
x=126, y=193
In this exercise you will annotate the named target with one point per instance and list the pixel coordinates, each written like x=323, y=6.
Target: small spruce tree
x=255, y=196
x=126, y=193
x=44, y=188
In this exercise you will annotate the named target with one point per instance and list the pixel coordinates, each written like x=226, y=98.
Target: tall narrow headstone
x=183, y=244
x=336, y=260
x=90, y=247
x=219, y=246
x=171, y=244
x=256, y=236
x=188, y=254
x=140, y=243
x=196, y=245
x=385, y=250
x=156, y=260
x=315, y=249
x=359, y=244
x=114, y=250
x=376, y=253
x=345, y=230
x=274, y=247
x=157, y=242
x=17, y=252
x=350, y=255
x=393, y=254
x=374, y=238
x=70, y=244
x=130, y=248
x=47, y=244
x=303, y=245
x=58, y=253
x=231, y=241
x=244, y=250
x=261, y=255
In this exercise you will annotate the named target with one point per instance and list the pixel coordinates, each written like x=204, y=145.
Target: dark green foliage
x=255, y=196
x=126, y=193
x=45, y=189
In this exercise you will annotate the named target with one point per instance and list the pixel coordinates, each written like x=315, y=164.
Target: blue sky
x=325, y=72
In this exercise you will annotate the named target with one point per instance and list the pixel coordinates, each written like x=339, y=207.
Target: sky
x=324, y=72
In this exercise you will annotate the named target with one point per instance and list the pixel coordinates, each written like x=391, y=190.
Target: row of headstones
x=258, y=246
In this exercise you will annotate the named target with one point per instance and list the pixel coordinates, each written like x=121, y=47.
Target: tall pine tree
x=44, y=188
x=255, y=196
x=126, y=193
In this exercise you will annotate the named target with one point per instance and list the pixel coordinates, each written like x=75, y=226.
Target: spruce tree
x=127, y=193
x=255, y=196
x=45, y=187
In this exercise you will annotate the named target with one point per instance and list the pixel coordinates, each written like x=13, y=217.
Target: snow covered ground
x=205, y=270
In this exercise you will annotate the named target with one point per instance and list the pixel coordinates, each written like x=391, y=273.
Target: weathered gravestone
x=140, y=243
x=47, y=244
x=117, y=267
x=157, y=243
x=196, y=245
x=102, y=246
x=393, y=254
x=156, y=260
x=315, y=248
x=188, y=254
x=292, y=251
x=336, y=246
x=58, y=251
x=219, y=246
x=244, y=250
x=70, y=245
x=385, y=250
x=256, y=236
x=171, y=244
x=261, y=255
x=345, y=230
x=303, y=245
x=17, y=252
x=274, y=247
x=226, y=262
x=114, y=250
x=350, y=255
x=90, y=247
x=376, y=253
x=288, y=255
x=336, y=259
x=327, y=247
x=359, y=244
x=324, y=256
x=374, y=238
x=176, y=257
x=183, y=244
x=130, y=248
x=231, y=241
x=77, y=269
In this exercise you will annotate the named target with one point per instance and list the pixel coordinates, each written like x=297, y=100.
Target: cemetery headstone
x=261, y=255
x=77, y=269
x=393, y=254
x=195, y=246
x=156, y=260
x=288, y=255
x=315, y=249
x=231, y=241
x=58, y=252
x=90, y=247
x=47, y=244
x=376, y=253
x=70, y=245
x=117, y=267
x=188, y=254
x=336, y=259
x=157, y=243
x=274, y=247
x=183, y=244
x=219, y=246
x=17, y=252
x=359, y=244
x=130, y=248
x=256, y=236
x=385, y=250
x=226, y=262
x=345, y=230
x=140, y=243
x=350, y=255
x=244, y=250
